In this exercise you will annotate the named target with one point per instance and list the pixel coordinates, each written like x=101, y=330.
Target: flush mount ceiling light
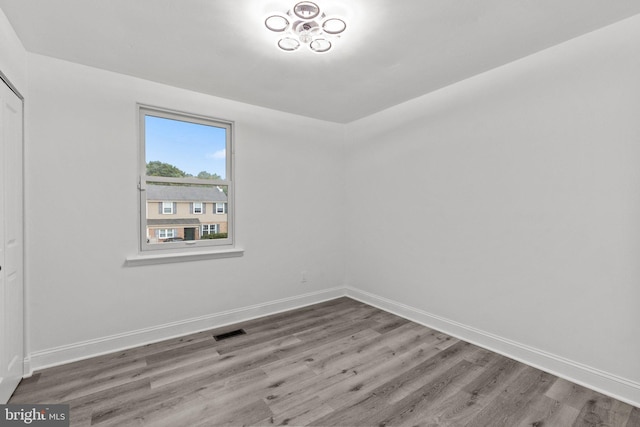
x=306, y=24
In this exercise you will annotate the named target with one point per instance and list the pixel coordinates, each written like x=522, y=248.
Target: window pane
x=186, y=181
x=183, y=224
x=175, y=148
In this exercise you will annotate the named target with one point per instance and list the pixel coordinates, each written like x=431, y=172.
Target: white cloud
x=220, y=154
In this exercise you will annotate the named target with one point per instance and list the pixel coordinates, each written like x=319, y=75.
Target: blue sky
x=189, y=146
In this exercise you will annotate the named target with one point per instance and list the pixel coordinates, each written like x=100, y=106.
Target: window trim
x=166, y=230
x=216, y=228
x=181, y=249
x=170, y=205
x=224, y=208
x=164, y=257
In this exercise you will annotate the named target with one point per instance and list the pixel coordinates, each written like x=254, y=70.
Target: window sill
x=155, y=258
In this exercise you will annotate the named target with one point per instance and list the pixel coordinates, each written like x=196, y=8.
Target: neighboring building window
x=167, y=208
x=221, y=208
x=210, y=229
x=166, y=233
x=185, y=165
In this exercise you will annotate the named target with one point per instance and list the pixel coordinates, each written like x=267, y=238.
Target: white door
x=11, y=243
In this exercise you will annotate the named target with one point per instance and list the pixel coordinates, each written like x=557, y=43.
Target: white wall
x=13, y=57
x=510, y=203
x=82, y=202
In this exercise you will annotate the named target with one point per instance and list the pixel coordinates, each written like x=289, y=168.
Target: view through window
x=185, y=184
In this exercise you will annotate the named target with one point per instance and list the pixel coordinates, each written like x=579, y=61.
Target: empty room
x=326, y=213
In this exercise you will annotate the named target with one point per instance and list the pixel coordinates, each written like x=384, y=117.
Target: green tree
x=207, y=175
x=158, y=168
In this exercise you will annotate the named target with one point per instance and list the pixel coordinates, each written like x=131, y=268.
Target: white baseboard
x=595, y=379
x=83, y=350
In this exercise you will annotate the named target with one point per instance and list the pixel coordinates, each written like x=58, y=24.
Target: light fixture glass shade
x=320, y=45
x=334, y=26
x=276, y=23
x=306, y=10
x=289, y=44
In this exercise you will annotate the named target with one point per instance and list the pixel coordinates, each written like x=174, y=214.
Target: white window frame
x=220, y=211
x=216, y=228
x=165, y=233
x=167, y=206
x=171, y=251
x=198, y=205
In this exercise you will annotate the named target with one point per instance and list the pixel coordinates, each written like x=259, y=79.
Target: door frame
x=15, y=90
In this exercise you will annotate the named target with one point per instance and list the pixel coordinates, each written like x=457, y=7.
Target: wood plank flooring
x=338, y=363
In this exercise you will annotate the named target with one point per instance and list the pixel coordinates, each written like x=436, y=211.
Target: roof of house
x=173, y=221
x=179, y=193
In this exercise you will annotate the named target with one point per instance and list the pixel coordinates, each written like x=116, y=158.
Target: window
x=167, y=208
x=210, y=229
x=185, y=165
x=165, y=233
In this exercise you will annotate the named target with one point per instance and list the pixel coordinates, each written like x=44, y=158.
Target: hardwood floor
x=339, y=363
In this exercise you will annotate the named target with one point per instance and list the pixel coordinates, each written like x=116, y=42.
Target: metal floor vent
x=229, y=334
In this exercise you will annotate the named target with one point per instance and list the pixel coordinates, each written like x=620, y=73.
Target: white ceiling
x=391, y=52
